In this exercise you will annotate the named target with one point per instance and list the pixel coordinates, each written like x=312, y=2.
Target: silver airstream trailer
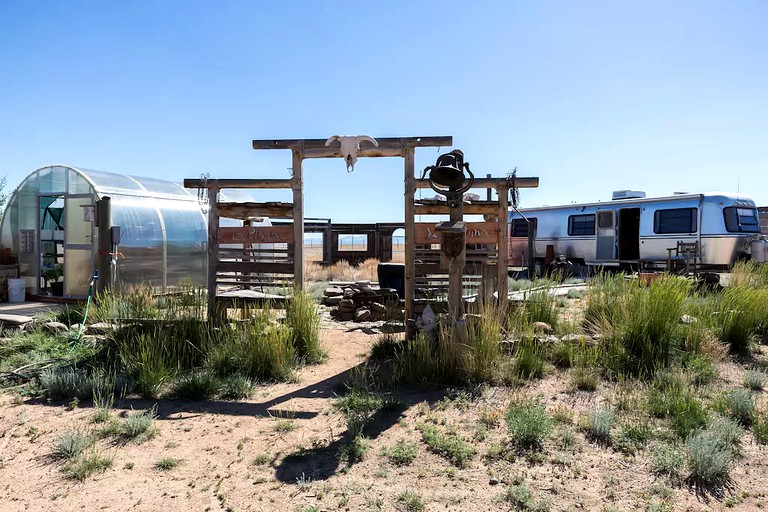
x=632, y=229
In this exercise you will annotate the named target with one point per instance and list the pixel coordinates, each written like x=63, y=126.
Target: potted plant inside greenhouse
x=52, y=276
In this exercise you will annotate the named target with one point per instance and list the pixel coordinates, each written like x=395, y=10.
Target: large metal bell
x=448, y=170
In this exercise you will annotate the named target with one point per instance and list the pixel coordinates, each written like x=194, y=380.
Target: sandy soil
x=296, y=428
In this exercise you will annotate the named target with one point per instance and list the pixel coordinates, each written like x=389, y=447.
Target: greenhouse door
x=78, y=244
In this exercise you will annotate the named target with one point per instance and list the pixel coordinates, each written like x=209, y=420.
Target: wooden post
x=104, y=223
x=455, y=272
x=298, y=219
x=502, y=260
x=213, y=250
x=409, y=154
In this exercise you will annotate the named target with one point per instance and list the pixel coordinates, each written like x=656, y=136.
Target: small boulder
x=541, y=327
x=688, y=319
x=332, y=301
x=378, y=308
x=362, y=315
x=54, y=327
x=15, y=320
x=347, y=305
x=99, y=328
x=333, y=291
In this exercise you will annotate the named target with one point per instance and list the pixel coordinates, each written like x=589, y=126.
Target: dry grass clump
x=342, y=271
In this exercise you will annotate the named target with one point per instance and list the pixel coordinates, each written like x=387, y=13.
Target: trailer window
x=519, y=228
x=741, y=220
x=675, y=220
x=580, y=225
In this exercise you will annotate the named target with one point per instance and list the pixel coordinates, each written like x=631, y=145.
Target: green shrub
x=760, y=429
x=451, y=446
x=728, y=432
x=70, y=444
x=741, y=313
x=584, y=379
x=402, y=453
x=520, y=497
x=648, y=327
x=701, y=369
x=562, y=355
x=483, y=342
x=196, y=386
x=541, y=306
x=668, y=460
x=66, y=383
x=87, y=464
x=167, y=463
x=237, y=387
x=709, y=460
x=754, y=380
x=528, y=423
x=633, y=437
x=256, y=348
x=671, y=398
x=411, y=501
x=358, y=407
x=387, y=346
x=598, y=426
x=437, y=362
x=529, y=362
x=738, y=405
x=303, y=318
x=139, y=426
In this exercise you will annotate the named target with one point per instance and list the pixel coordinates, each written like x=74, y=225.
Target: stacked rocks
x=360, y=301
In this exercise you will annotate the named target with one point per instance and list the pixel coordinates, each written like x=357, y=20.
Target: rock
x=349, y=293
x=99, y=328
x=16, y=320
x=541, y=327
x=362, y=315
x=347, y=305
x=688, y=319
x=548, y=339
x=335, y=313
x=346, y=316
x=55, y=327
x=333, y=291
x=332, y=301
x=493, y=481
x=378, y=308
x=573, y=337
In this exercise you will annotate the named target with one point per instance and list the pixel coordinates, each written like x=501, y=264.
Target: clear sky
x=590, y=96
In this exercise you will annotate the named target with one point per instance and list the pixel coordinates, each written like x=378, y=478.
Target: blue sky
x=589, y=96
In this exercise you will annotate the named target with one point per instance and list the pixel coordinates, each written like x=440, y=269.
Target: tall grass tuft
x=741, y=313
x=440, y=361
x=303, y=318
x=484, y=332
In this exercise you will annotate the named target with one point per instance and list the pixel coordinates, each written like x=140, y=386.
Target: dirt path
x=217, y=442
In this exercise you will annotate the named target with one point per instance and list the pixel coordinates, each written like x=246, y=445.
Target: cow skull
x=350, y=146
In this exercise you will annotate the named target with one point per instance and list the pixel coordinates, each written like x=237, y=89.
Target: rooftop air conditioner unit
x=628, y=194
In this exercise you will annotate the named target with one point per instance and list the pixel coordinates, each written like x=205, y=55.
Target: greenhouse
x=48, y=230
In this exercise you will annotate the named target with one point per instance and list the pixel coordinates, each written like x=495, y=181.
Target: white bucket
x=17, y=289
x=760, y=251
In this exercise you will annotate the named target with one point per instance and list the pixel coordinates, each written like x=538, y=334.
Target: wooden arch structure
x=301, y=149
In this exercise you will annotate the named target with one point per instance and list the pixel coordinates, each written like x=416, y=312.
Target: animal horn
x=369, y=139
x=331, y=139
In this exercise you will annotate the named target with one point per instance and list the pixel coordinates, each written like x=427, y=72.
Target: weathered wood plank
x=477, y=233
x=384, y=142
x=255, y=267
x=236, y=183
x=526, y=182
x=213, y=250
x=298, y=216
x=256, y=235
x=242, y=211
x=502, y=268
x=410, y=238
x=441, y=208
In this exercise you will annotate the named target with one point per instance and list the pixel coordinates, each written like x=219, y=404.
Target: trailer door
x=606, y=235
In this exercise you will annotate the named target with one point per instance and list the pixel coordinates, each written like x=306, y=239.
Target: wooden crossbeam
x=236, y=183
x=430, y=207
x=272, y=209
x=384, y=143
x=531, y=182
x=255, y=267
x=255, y=235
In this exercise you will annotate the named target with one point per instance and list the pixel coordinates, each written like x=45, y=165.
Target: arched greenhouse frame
x=49, y=225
